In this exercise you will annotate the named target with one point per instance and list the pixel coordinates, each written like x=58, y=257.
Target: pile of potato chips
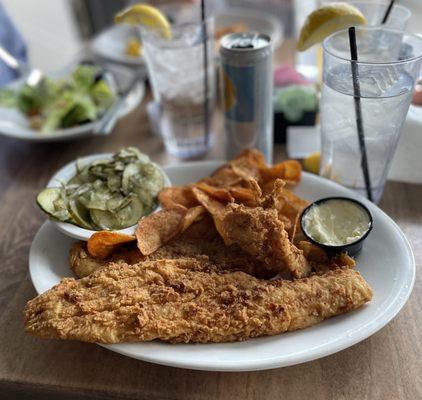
x=246, y=180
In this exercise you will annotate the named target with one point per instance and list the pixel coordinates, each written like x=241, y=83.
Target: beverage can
x=247, y=93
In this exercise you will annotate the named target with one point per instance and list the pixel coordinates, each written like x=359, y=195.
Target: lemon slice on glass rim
x=146, y=15
x=326, y=20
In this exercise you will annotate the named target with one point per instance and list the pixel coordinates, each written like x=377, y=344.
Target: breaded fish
x=260, y=233
x=200, y=241
x=188, y=301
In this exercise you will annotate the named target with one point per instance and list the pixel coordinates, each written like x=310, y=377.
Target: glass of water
x=388, y=67
x=176, y=68
x=374, y=12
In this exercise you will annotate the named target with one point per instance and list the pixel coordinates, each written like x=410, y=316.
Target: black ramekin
x=351, y=248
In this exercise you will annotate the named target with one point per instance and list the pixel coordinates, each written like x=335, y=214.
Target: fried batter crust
x=188, y=301
x=200, y=241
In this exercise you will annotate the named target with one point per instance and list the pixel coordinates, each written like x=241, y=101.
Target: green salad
x=106, y=194
x=58, y=103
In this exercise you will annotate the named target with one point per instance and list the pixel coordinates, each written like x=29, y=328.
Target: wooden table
x=385, y=366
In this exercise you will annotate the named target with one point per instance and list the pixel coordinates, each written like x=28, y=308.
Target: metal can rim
x=224, y=47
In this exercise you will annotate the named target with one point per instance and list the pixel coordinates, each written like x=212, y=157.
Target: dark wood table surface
x=385, y=366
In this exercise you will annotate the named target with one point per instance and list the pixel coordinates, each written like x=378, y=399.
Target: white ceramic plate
x=386, y=262
x=68, y=172
x=111, y=45
x=14, y=124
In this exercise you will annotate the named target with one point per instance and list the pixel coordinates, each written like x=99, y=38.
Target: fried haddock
x=188, y=301
x=200, y=241
x=199, y=269
x=257, y=231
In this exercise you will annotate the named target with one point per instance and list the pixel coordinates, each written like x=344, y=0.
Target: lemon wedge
x=146, y=15
x=311, y=163
x=326, y=20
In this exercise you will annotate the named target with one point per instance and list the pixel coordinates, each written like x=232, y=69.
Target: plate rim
x=398, y=301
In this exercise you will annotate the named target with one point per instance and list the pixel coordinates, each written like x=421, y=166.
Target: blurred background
x=52, y=35
x=54, y=31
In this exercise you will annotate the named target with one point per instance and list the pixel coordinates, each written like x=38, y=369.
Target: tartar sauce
x=336, y=222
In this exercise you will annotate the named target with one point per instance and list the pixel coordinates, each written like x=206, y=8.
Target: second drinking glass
x=387, y=69
x=176, y=67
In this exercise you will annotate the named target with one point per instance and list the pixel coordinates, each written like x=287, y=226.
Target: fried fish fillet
x=188, y=301
x=200, y=241
x=260, y=233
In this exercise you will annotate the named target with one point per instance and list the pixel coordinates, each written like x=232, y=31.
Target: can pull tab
x=245, y=42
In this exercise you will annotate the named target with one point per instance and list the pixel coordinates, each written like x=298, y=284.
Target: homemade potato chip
x=289, y=170
x=223, y=177
x=250, y=157
x=312, y=252
x=103, y=243
x=158, y=228
x=177, y=195
x=220, y=194
x=193, y=215
x=215, y=208
x=246, y=181
x=248, y=196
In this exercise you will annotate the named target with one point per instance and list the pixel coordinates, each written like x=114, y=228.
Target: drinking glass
x=310, y=61
x=388, y=66
x=374, y=12
x=176, y=68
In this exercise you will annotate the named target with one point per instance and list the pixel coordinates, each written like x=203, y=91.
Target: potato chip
x=223, y=177
x=251, y=157
x=344, y=260
x=103, y=243
x=158, y=228
x=296, y=229
x=247, y=197
x=289, y=170
x=215, y=208
x=177, y=195
x=293, y=204
x=312, y=252
x=248, y=164
x=194, y=214
x=220, y=194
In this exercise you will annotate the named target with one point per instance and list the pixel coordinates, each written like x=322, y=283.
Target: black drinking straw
x=206, y=89
x=388, y=11
x=358, y=110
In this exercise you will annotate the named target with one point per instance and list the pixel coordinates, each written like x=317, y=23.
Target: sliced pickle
x=108, y=193
x=80, y=214
x=46, y=198
x=104, y=219
x=131, y=214
x=130, y=171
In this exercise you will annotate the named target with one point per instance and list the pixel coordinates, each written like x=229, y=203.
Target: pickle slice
x=121, y=219
x=46, y=198
x=104, y=219
x=80, y=214
x=131, y=214
x=49, y=199
x=107, y=193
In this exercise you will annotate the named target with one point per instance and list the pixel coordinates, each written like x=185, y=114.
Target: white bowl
x=68, y=172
